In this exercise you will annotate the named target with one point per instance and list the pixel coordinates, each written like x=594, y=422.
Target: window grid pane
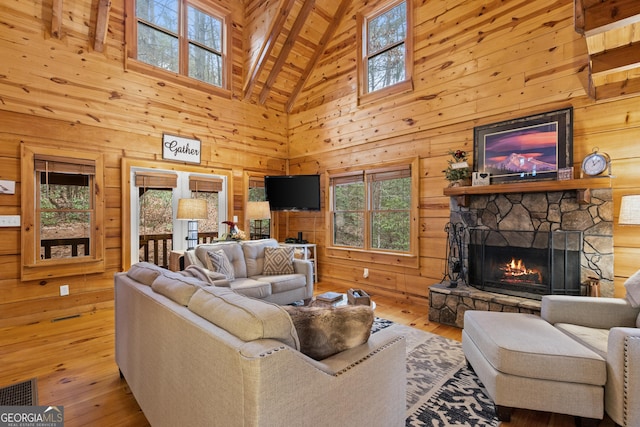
x=386, y=68
x=204, y=29
x=205, y=65
x=387, y=29
x=161, y=13
x=157, y=48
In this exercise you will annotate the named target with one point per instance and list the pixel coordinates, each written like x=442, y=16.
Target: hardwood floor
x=73, y=359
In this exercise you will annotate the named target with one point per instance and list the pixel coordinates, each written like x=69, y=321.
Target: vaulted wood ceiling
x=612, y=32
x=286, y=40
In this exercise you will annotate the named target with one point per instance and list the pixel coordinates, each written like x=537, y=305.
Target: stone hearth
x=448, y=305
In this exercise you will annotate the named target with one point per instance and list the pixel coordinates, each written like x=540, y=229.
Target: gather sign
x=180, y=149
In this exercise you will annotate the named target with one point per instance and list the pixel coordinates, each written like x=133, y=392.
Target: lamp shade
x=258, y=210
x=192, y=209
x=630, y=210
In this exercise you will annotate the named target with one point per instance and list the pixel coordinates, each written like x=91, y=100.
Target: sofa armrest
x=301, y=266
x=601, y=313
x=622, y=391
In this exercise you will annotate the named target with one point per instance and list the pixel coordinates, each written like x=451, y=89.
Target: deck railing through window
x=155, y=248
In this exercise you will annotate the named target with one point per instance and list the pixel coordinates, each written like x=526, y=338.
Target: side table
x=176, y=260
x=307, y=252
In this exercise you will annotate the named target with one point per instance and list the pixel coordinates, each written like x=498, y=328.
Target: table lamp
x=257, y=211
x=629, y=210
x=192, y=210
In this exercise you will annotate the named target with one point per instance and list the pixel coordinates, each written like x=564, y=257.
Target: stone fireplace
x=567, y=242
x=520, y=246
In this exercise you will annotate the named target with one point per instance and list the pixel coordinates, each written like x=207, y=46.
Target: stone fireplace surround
x=528, y=211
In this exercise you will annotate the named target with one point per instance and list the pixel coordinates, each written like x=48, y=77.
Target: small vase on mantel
x=460, y=182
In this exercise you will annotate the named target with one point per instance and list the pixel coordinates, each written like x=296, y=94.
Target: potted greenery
x=458, y=173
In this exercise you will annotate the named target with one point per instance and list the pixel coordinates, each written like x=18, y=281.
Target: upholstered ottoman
x=524, y=362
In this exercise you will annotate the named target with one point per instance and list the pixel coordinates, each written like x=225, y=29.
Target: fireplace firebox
x=525, y=263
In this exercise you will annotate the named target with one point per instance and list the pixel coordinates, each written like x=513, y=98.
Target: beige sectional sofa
x=247, y=258
x=194, y=354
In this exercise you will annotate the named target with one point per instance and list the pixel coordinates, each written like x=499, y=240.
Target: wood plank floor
x=73, y=360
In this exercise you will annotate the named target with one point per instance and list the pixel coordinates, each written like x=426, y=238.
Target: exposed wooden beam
x=608, y=15
x=286, y=6
x=329, y=32
x=286, y=48
x=614, y=60
x=629, y=87
x=56, y=19
x=102, y=25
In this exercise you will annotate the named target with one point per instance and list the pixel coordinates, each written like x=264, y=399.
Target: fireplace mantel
x=582, y=187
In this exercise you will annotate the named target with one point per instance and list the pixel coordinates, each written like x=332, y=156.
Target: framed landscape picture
x=528, y=148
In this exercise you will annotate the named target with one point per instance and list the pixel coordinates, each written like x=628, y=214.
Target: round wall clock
x=595, y=163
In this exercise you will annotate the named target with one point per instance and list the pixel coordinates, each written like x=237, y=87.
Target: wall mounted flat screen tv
x=293, y=192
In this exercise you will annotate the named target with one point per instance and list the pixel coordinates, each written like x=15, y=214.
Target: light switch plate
x=9, y=220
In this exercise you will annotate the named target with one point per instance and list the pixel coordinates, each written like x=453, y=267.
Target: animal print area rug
x=441, y=389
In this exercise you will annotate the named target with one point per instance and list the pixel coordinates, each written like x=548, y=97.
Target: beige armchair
x=611, y=328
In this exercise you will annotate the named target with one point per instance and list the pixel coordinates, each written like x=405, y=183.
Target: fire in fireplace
x=516, y=272
x=525, y=263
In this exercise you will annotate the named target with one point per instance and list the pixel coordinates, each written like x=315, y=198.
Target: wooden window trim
x=408, y=259
x=201, y=184
x=32, y=267
x=133, y=64
x=129, y=164
x=405, y=86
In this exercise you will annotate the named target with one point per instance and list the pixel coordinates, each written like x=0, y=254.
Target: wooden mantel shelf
x=582, y=186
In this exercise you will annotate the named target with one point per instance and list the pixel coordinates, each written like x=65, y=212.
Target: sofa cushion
x=145, y=272
x=251, y=287
x=324, y=332
x=632, y=285
x=221, y=264
x=254, y=254
x=283, y=282
x=278, y=261
x=177, y=287
x=247, y=318
x=232, y=250
x=593, y=338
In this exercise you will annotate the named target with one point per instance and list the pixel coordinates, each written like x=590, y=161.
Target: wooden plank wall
x=60, y=92
x=476, y=62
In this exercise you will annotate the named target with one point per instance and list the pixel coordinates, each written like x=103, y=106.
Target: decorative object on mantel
x=454, y=270
x=458, y=173
x=234, y=232
x=479, y=179
x=565, y=174
x=192, y=210
x=629, y=210
x=595, y=164
x=526, y=148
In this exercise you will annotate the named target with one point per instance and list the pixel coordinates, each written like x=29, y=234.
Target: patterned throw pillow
x=278, y=261
x=221, y=263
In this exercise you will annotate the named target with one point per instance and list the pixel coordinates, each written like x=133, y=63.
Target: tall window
x=186, y=37
x=63, y=199
x=371, y=209
x=386, y=49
